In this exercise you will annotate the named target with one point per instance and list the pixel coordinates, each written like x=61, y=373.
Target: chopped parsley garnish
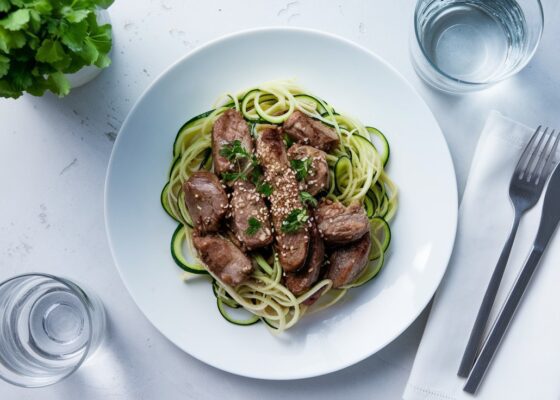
x=233, y=176
x=264, y=188
x=288, y=141
x=234, y=151
x=307, y=198
x=301, y=167
x=255, y=161
x=294, y=221
x=254, y=226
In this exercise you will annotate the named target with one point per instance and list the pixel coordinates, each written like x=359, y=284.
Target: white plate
x=355, y=81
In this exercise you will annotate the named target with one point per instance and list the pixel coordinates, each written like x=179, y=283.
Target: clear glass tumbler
x=48, y=327
x=467, y=45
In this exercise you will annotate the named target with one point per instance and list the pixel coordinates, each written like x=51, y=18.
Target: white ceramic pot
x=87, y=74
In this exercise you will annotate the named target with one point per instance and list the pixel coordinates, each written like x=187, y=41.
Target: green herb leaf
x=295, y=220
x=301, y=167
x=58, y=84
x=233, y=176
x=34, y=21
x=50, y=52
x=254, y=226
x=4, y=65
x=41, y=40
x=16, y=20
x=307, y=198
x=75, y=16
x=288, y=141
x=11, y=40
x=42, y=6
x=104, y=3
x=72, y=35
x=7, y=90
x=103, y=61
x=264, y=188
x=89, y=52
x=4, y=5
x=234, y=151
x=100, y=34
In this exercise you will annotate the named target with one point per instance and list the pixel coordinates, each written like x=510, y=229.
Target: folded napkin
x=527, y=364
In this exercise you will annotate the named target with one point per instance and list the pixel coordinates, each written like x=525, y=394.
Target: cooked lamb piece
x=292, y=245
x=229, y=264
x=346, y=263
x=305, y=130
x=339, y=224
x=206, y=201
x=250, y=220
x=301, y=281
x=317, y=178
x=229, y=129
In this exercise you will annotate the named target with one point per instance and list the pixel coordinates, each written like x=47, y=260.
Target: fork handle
x=483, y=315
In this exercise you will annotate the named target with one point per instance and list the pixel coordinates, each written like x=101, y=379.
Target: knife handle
x=502, y=322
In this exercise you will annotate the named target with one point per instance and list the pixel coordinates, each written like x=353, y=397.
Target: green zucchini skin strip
x=177, y=241
x=243, y=322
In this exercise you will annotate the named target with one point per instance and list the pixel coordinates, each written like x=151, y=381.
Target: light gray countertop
x=54, y=154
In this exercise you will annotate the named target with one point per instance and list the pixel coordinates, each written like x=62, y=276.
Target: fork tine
x=522, y=163
x=528, y=172
x=549, y=162
x=542, y=158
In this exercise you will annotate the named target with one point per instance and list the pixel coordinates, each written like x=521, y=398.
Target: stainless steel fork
x=526, y=185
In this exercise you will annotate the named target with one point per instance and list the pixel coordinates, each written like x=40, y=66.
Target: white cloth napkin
x=527, y=364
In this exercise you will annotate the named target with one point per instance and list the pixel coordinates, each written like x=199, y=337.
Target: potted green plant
x=46, y=44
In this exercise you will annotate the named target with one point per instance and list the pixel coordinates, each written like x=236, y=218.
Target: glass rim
x=471, y=83
x=84, y=299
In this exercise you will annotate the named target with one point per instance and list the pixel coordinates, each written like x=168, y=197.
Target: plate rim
x=271, y=29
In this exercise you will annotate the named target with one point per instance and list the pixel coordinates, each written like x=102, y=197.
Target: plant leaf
x=50, y=52
x=16, y=20
x=77, y=15
x=104, y=3
x=72, y=35
x=89, y=52
x=103, y=61
x=6, y=90
x=35, y=20
x=40, y=85
x=21, y=78
x=4, y=65
x=101, y=37
x=58, y=84
x=11, y=40
x=42, y=6
x=4, y=5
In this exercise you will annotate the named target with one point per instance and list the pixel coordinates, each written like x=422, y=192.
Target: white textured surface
x=54, y=153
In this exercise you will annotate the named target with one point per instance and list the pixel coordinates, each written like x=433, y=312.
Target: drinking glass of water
x=467, y=45
x=48, y=327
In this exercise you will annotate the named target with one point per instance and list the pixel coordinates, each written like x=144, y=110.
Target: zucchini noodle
x=357, y=173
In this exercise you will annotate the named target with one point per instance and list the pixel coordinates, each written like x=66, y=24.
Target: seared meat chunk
x=229, y=129
x=206, y=201
x=346, y=263
x=223, y=259
x=291, y=245
x=250, y=220
x=301, y=281
x=305, y=130
x=339, y=224
x=315, y=163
